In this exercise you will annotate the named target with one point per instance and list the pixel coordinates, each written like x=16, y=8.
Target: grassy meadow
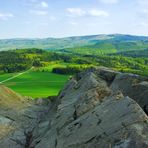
x=36, y=83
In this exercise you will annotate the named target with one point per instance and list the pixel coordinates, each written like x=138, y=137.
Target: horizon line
x=35, y=38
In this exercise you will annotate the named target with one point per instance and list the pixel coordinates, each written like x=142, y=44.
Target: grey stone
x=98, y=108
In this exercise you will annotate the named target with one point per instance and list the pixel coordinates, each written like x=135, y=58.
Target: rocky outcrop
x=18, y=117
x=133, y=86
x=97, y=108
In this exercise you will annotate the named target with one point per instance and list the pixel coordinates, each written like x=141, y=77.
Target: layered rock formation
x=98, y=108
x=18, y=116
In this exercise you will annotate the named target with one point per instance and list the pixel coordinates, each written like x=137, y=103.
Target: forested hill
x=125, y=53
x=23, y=59
x=113, y=43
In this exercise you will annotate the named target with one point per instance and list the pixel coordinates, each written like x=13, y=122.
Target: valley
x=52, y=68
x=74, y=74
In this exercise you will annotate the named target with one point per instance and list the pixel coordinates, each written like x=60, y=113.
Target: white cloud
x=73, y=23
x=39, y=8
x=39, y=12
x=109, y=1
x=144, y=24
x=33, y=1
x=44, y=4
x=141, y=24
x=40, y=5
x=145, y=11
x=143, y=2
x=98, y=13
x=6, y=16
x=35, y=4
x=76, y=12
x=52, y=18
x=79, y=12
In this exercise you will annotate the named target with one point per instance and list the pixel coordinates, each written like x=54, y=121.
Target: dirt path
x=16, y=76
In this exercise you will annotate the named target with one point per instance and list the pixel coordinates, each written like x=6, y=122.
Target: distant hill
x=112, y=44
x=105, y=43
x=50, y=43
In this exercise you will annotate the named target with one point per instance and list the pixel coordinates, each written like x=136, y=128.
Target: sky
x=62, y=18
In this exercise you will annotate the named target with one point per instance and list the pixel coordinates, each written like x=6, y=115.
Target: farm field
x=36, y=83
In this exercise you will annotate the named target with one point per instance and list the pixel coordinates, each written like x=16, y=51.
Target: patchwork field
x=35, y=83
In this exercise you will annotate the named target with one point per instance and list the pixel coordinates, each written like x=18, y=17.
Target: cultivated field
x=35, y=83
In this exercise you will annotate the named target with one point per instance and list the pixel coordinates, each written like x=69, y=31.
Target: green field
x=6, y=76
x=36, y=84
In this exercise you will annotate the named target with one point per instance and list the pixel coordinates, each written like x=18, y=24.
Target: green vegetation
x=36, y=84
x=20, y=60
x=117, y=41
x=70, y=69
x=108, y=47
x=4, y=76
x=50, y=69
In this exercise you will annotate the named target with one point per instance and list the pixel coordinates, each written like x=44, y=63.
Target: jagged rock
x=90, y=114
x=18, y=115
x=97, y=108
x=133, y=86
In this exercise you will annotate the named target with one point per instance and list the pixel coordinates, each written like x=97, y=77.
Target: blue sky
x=60, y=18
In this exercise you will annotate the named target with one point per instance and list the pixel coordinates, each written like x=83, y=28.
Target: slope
x=78, y=41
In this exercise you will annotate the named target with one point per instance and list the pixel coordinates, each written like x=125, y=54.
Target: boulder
x=133, y=86
x=92, y=112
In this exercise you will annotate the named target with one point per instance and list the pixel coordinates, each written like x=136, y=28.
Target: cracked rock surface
x=98, y=108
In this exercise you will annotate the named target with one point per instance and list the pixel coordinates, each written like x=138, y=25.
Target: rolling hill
x=107, y=43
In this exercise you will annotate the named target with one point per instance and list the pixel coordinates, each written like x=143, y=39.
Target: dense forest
x=20, y=60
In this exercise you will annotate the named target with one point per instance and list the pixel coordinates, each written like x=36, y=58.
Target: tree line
x=19, y=60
